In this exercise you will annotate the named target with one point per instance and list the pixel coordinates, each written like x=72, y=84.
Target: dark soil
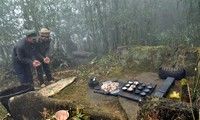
x=83, y=96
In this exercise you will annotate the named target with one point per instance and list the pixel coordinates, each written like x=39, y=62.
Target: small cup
x=143, y=94
x=137, y=91
x=136, y=82
x=130, y=89
x=140, y=87
x=124, y=88
x=130, y=82
x=133, y=86
x=143, y=85
x=149, y=87
x=146, y=90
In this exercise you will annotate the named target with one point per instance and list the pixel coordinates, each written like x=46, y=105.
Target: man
x=43, y=47
x=23, y=57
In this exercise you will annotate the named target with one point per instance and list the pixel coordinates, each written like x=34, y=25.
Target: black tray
x=133, y=96
x=123, y=93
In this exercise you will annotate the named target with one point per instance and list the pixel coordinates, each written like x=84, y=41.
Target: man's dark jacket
x=42, y=49
x=24, y=52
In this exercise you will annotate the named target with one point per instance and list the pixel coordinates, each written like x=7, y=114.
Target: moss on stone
x=3, y=111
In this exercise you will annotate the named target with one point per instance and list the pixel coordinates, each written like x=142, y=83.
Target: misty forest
x=108, y=39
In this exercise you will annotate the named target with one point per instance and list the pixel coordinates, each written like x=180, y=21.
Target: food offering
x=130, y=86
x=133, y=89
x=137, y=88
x=110, y=86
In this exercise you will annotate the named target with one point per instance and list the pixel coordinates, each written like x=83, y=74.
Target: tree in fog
x=100, y=26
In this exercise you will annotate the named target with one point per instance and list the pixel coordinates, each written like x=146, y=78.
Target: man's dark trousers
x=23, y=72
x=47, y=71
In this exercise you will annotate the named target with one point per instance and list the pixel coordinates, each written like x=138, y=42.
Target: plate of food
x=109, y=87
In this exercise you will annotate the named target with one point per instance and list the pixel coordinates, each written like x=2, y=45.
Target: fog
x=100, y=26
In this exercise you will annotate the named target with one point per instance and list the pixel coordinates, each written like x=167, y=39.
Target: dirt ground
x=123, y=108
x=131, y=107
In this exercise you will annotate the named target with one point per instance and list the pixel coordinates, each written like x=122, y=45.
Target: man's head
x=31, y=36
x=44, y=34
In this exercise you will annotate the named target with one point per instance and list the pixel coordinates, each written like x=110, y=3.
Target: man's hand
x=46, y=60
x=36, y=63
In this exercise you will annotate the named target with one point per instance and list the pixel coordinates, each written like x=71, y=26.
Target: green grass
x=3, y=112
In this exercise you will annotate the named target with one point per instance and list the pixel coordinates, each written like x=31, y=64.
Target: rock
x=187, y=58
x=165, y=109
x=34, y=106
x=81, y=54
x=151, y=58
x=145, y=58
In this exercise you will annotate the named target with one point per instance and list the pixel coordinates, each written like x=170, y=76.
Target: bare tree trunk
x=91, y=25
x=116, y=32
x=102, y=28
